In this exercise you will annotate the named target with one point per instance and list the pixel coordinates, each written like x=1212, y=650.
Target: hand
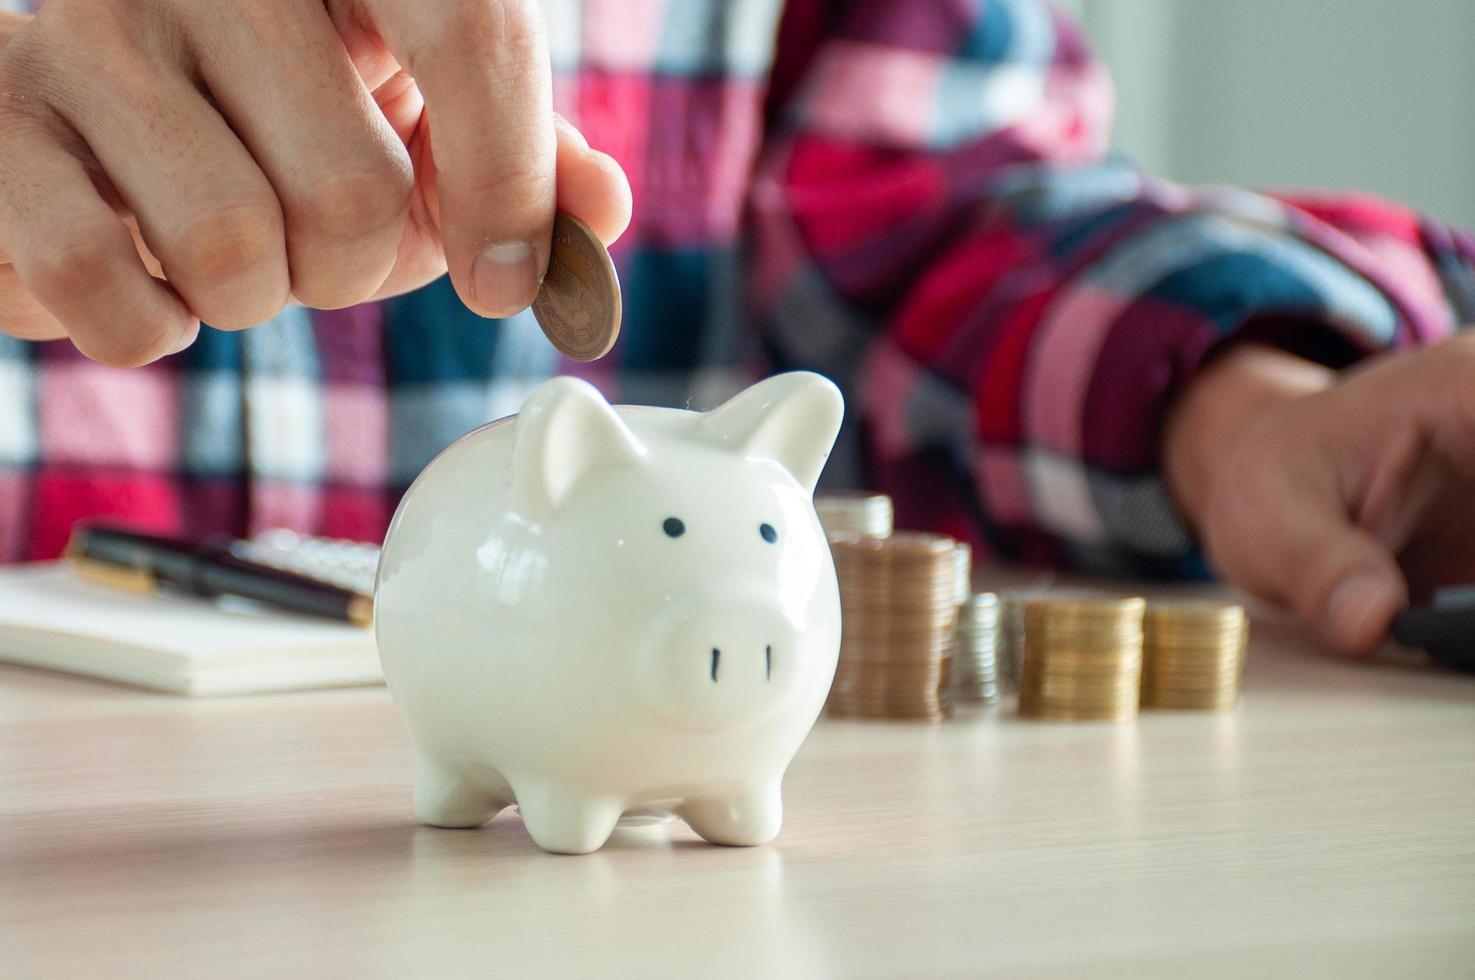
x=164, y=162
x=1337, y=495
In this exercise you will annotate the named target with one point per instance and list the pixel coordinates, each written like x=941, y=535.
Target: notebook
x=50, y=618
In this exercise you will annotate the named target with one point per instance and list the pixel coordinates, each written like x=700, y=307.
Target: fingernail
x=571, y=131
x=1356, y=607
x=606, y=162
x=504, y=279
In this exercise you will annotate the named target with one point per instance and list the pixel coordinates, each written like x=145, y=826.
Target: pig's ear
x=792, y=419
x=565, y=431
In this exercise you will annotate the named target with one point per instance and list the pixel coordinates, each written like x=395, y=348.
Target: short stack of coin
x=975, y=655
x=1082, y=659
x=855, y=512
x=1010, y=654
x=1194, y=654
x=899, y=608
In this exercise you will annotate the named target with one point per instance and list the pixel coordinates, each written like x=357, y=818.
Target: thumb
x=1305, y=550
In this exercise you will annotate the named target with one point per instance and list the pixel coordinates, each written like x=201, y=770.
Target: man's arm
x=1014, y=313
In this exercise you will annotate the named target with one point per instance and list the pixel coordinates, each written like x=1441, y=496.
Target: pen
x=143, y=562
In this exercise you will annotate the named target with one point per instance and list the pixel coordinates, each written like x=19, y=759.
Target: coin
x=1193, y=654
x=855, y=512
x=899, y=609
x=975, y=660
x=578, y=304
x=1082, y=658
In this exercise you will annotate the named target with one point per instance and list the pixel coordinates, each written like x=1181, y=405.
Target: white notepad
x=50, y=618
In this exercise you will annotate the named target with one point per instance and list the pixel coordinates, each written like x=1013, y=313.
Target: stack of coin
x=1194, y=654
x=964, y=555
x=1082, y=659
x=1011, y=635
x=855, y=512
x=899, y=607
x=975, y=654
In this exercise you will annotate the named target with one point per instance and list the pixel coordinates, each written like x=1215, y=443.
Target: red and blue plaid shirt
x=915, y=198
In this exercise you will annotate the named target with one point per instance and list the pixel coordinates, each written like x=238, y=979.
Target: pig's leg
x=564, y=821
x=749, y=817
x=446, y=797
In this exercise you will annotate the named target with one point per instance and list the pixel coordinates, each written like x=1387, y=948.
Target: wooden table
x=1325, y=828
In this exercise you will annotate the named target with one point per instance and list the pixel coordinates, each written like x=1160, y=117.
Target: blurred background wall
x=1370, y=94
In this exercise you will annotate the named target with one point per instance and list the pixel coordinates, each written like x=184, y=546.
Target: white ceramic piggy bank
x=586, y=610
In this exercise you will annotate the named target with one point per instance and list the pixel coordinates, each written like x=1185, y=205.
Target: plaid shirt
x=915, y=198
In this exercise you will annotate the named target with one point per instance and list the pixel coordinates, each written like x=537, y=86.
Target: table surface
x=1326, y=827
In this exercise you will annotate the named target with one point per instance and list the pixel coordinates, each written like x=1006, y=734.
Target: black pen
x=144, y=562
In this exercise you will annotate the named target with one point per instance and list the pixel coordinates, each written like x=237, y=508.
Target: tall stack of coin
x=899, y=607
x=1194, y=654
x=1082, y=659
x=974, y=668
x=855, y=512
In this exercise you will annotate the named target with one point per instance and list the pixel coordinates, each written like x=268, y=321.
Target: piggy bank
x=585, y=610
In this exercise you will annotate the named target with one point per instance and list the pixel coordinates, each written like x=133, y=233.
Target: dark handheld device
x=1444, y=629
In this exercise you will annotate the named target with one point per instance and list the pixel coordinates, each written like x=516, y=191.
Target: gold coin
x=897, y=705
x=1192, y=668
x=937, y=716
x=915, y=701
x=1227, y=683
x=880, y=676
x=1214, y=686
x=578, y=305
x=860, y=626
x=1081, y=679
x=1043, y=628
x=1176, y=637
x=1079, y=686
x=881, y=574
x=1104, y=607
x=877, y=672
x=911, y=696
x=1080, y=699
x=1196, y=612
x=930, y=622
x=880, y=658
x=903, y=546
x=900, y=598
x=1205, y=653
x=1043, y=639
x=1034, y=672
x=1193, y=660
x=1232, y=668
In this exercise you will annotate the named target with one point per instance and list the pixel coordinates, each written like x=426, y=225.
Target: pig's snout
x=721, y=661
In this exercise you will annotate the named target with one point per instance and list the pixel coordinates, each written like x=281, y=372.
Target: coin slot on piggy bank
x=588, y=610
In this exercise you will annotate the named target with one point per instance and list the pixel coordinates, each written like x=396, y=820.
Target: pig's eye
x=768, y=533
x=674, y=527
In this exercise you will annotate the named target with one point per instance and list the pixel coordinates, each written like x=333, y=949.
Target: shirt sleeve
x=937, y=223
